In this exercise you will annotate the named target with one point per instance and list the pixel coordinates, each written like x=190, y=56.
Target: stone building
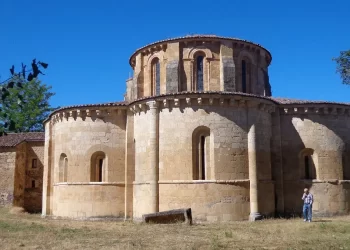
x=21, y=170
x=198, y=128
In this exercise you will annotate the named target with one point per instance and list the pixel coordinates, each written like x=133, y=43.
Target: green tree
x=12, y=94
x=343, y=66
x=28, y=113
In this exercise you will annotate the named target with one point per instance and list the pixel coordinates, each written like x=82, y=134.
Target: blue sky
x=88, y=43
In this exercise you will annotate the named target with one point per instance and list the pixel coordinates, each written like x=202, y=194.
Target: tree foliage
x=343, y=66
x=12, y=91
x=28, y=114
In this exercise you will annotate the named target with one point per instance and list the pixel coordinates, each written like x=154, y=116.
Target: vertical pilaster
x=137, y=79
x=259, y=160
x=129, y=165
x=253, y=174
x=276, y=162
x=252, y=162
x=153, y=155
x=172, y=68
x=227, y=68
x=46, y=173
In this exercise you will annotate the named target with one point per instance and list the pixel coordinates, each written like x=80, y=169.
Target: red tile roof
x=13, y=139
x=281, y=100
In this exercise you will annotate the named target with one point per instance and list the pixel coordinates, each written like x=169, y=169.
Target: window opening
x=155, y=77
x=202, y=157
x=34, y=163
x=244, y=77
x=100, y=164
x=200, y=73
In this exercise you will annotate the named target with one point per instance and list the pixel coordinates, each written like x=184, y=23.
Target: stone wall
x=324, y=130
x=222, y=67
x=88, y=200
x=210, y=201
x=228, y=141
x=7, y=170
x=20, y=175
x=178, y=121
x=79, y=135
x=17, y=176
x=141, y=191
x=129, y=165
x=34, y=176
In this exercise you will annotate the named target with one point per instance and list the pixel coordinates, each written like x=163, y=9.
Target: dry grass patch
x=28, y=231
x=17, y=210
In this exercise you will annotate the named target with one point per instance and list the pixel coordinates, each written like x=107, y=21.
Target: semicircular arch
x=191, y=53
x=245, y=54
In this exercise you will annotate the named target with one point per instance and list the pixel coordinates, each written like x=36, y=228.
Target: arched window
x=201, y=153
x=307, y=164
x=244, y=77
x=98, y=167
x=198, y=71
x=155, y=77
x=63, y=168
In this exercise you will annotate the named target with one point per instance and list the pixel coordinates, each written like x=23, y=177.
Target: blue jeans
x=307, y=211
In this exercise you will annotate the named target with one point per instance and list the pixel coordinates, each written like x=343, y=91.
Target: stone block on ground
x=170, y=216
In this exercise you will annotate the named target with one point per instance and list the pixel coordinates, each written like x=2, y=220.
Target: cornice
x=82, y=114
x=316, y=109
x=202, y=100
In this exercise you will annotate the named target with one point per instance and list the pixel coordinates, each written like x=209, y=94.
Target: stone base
x=171, y=216
x=255, y=217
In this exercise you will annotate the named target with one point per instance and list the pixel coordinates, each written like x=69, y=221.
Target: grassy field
x=28, y=231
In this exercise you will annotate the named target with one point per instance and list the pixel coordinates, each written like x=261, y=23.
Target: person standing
x=307, y=207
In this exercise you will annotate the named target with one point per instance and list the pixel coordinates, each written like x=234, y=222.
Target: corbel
x=166, y=103
x=64, y=116
x=142, y=107
x=211, y=101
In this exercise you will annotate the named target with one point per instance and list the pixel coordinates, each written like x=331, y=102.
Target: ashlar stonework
x=21, y=170
x=198, y=129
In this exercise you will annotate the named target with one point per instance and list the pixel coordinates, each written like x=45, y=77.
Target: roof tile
x=13, y=139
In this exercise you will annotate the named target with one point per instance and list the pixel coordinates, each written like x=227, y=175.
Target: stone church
x=198, y=128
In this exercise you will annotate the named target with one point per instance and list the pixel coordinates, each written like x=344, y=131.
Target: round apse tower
x=201, y=128
x=200, y=63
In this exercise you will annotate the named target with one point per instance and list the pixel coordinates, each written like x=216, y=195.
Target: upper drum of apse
x=199, y=63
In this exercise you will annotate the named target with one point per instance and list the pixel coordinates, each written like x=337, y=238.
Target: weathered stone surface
x=227, y=156
x=228, y=69
x=7, y=169
x=21, y=183
x=171, y=216
x=172, y=76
